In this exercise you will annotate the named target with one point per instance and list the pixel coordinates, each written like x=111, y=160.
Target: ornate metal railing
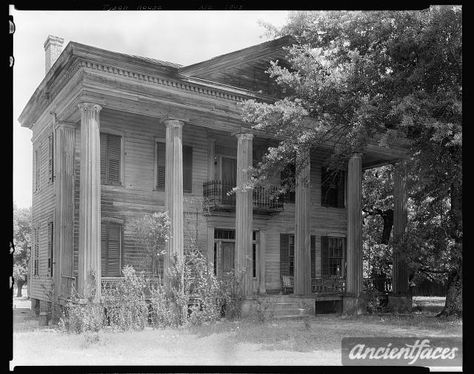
x=328, y=285
x=218, y=195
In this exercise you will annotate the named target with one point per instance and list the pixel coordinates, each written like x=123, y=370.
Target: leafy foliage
x=393, y=78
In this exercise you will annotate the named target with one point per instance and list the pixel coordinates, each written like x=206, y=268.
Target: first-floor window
x=287, y=255
x=332, y=256
x=111, y=249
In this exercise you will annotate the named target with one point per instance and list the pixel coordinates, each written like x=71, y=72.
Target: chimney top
x=52, y=48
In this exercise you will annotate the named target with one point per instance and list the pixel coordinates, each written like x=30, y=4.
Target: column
x=65, y=136
x=89, y=267
x=244, y=213
x=399, y=269
x=302, y=274
x=354, y=226
x=174, y=189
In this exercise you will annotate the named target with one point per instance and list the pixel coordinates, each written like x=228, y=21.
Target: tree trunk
x=453, y=305
x=387, y=216
x=19, y=286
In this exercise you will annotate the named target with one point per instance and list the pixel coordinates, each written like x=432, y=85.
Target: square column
x=89, y=267
x=174, y=189
x=244, y=213
x=352, y=301
x=65, y=136
x=302, y=275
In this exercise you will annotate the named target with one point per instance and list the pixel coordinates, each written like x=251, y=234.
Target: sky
x=182, y=37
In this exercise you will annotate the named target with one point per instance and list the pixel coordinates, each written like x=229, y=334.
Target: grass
x=244, y=342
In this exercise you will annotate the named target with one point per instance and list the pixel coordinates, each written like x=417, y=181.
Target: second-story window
x=160, y=161
x=50, y=248
x=187, y=168
x=110, y=159
x=287, y=177
x=332, y=188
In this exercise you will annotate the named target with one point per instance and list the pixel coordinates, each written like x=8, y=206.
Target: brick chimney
x=52, y=49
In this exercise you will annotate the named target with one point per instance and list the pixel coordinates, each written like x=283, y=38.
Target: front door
x=225, y=257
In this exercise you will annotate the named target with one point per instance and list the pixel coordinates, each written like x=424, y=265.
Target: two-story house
x=116, y=136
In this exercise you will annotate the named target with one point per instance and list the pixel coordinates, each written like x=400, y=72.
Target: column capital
x=173, y=122
x=244, y=136
x=356, y=155
x=89, y=107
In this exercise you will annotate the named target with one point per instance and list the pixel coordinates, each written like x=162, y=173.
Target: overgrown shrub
x=82, y=317
x=125, y=302
x=231, y=294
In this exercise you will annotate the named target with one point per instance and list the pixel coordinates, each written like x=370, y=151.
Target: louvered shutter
x=103, y=158
x=113, y=260
x=324, y=256
x=37, y=168
x=51, y=158
x=344, y=260
x=114, y=152
x=284, y=254
x=187, y=168
x=50, y=248
x=110, y=251
x=160, y=165
x=103, y=249
x=313, y=256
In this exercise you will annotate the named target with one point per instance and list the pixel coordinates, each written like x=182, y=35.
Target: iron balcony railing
x=218, y=195
x=328, y=285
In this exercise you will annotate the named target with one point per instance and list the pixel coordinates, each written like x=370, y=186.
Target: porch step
x=287, y=312
x=292, y=317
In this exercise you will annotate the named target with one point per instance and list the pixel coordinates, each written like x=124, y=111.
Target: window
x=332, y=188
x=332, y=256
x=110, y=159
x=287, y=254
x=187, y=168
x=160, y=166
x=36, y=251
x=51, y=158
x=287, y=177
x=111, y=249
x=50, y=248
x=37, y=164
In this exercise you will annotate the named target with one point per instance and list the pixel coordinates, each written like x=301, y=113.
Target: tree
x=22, y=246
x=390, y=76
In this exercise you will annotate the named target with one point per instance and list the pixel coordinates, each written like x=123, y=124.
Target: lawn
x=316, y=342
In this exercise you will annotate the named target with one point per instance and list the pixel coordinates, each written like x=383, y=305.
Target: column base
x=352, y=305
x=400, y=303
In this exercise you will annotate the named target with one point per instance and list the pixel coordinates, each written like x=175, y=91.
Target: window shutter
x=36, y=251
x=110, y=158
x=324, y=256
x=344, y=260
x=37, y=169
x=113, y=260
x=313, y=256
x=50, y=248
x=51, y=158
x=160, y=165
x=103, y=158
x=284, y=254
x=114, y=152
x=110, y=249
x=187, y=168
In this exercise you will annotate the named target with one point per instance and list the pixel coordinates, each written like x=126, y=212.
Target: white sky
x=183, y=37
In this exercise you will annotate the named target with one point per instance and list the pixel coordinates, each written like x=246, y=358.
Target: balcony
x=218, y=196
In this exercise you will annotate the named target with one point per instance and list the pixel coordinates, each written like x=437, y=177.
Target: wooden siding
x=42, y=212
x=137, y=195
